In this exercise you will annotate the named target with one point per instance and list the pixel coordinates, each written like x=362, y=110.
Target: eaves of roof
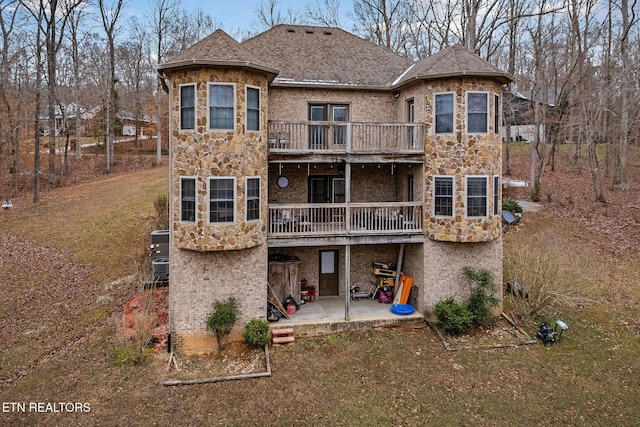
x=224, y=63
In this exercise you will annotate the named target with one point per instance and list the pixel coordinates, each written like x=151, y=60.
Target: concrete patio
x=327, y=316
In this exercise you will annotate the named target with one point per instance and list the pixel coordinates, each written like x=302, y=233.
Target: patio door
x=329, y=278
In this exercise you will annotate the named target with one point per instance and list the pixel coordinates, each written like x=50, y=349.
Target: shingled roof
x=217, y=49
x=313, y=56
x=452, y=61
x=307, y=56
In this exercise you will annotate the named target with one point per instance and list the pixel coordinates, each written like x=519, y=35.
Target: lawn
x=60, y=297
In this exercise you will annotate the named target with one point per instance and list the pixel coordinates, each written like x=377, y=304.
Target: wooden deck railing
x=345, y=137
x=341, y=219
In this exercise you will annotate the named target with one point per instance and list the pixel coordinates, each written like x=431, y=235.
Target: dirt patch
x=235, y=360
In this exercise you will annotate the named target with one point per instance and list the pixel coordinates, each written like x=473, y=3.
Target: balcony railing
x=342, y=219
x=345, y=137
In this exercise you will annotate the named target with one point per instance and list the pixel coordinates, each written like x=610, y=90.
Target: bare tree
x=162, y=13
x=110, y=14
x=325, y=13
x=628, y=20
x=134, y=70
x=380, y=21
x=269, y=15
x=76, y=20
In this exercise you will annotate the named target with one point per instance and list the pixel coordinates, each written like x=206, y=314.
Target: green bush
x=256, y=333
x=454, y=317
x=483, y=290
x=224, y=316
x=511, y=205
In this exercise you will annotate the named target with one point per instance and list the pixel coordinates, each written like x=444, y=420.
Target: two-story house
x=307, y=152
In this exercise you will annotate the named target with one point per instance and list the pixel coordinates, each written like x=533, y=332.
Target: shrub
x=483, y=291
x=511, y=205
x=256, y=333
x=224, y=316
x=161, y=206
x=454, y=317
x=546, y=274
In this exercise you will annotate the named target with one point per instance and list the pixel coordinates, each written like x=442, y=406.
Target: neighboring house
x=314, y=145
x=522, y=119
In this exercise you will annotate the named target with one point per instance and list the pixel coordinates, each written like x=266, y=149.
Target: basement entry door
x=328, y=279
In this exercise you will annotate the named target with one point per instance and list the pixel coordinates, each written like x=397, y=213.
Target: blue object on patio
x=402, y=309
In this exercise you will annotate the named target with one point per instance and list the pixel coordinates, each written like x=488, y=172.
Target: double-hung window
x=253, y=198
x=476, y=196
x=187, y=107
x=221, y=106
x=443, y=196
x=253, y=108
x=187, y=199
x=444, y=113
x=477, y=112
x=222, y=200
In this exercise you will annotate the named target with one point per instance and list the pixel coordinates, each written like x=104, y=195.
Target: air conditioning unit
x=159, y=244
x=160, y=267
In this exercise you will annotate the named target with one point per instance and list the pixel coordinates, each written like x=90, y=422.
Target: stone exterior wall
x=460, y=155
x=203, y=153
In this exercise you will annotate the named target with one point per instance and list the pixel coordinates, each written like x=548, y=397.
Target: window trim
x=453, y=195
x=486, y=112
x=235, y=106
x=195, y=200
x=486, y=197
x=435, y=112
x=496, y=194
x=246, y=203
x=210, y=200
x=195, y=103
x=247, y=109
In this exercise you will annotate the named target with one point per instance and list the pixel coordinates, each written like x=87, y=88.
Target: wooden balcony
x=345, y=137
x=355, y=219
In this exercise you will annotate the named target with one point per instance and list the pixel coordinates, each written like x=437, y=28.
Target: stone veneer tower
x=210, y=261
x=458, y=240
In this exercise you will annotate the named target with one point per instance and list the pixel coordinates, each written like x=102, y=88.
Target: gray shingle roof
x=217, y=49
x=307, y=55
x=453, y=61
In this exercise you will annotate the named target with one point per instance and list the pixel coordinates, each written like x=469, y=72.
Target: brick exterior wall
x=443, y=264
x=198, y=279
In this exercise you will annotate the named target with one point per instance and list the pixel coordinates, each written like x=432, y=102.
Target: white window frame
x=496, y=195
x=195, y=104
x=435, y=113
x=235, y=106
x=195, y=199
x=486, y=112
x=453, y=196
x=466, y=196
x=246, y=203
x=246, y=92
x=210, y=200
